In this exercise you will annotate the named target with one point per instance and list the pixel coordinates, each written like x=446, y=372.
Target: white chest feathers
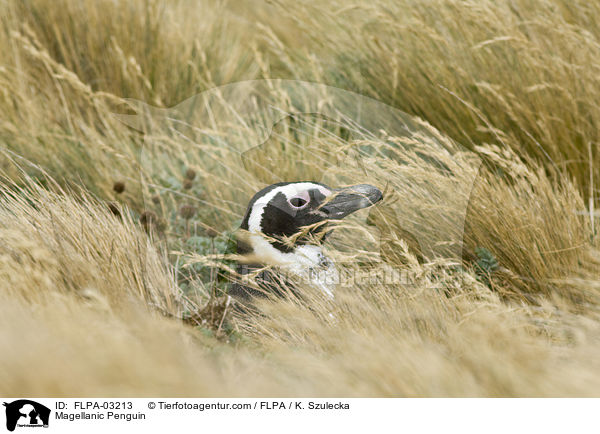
x=316, y=268
x=307, y=262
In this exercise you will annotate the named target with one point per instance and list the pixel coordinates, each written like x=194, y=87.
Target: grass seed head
x=119, y=187
x=148, y=219
x=190, y=174
x=114, y=208
x=187, y=211
x=211, y=232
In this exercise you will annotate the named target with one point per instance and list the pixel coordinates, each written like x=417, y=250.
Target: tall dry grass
x=72, y=297
x=99, y=299
x=519, y=74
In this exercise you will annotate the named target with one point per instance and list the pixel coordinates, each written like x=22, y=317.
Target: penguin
x=283, y=229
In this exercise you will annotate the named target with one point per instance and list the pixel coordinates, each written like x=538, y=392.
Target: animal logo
x=26, y=413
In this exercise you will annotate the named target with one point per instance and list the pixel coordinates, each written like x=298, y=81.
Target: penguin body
x=284, y=226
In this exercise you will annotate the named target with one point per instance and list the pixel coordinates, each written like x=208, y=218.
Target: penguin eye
x=298, y=202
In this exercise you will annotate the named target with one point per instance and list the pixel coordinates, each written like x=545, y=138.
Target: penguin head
x=285, y=209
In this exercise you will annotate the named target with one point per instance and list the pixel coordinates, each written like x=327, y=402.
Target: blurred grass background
x=99, y=258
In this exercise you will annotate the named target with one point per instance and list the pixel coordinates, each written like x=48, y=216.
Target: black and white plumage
x=284, y=224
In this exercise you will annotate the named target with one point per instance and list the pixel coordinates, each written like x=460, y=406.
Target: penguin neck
x=307, y=261
x=306, y=256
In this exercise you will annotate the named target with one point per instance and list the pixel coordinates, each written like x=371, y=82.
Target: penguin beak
x=345, y=201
